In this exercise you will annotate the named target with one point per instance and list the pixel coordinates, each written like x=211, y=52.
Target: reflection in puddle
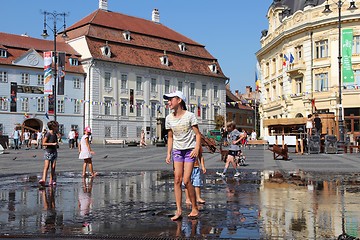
x=256, y=205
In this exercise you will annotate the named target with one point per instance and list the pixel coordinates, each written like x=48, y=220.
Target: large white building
x=307, y=79
x=131, y=62
x=22, y=99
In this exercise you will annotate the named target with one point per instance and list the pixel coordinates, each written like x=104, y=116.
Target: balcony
x=296, y=69
x=124, y=91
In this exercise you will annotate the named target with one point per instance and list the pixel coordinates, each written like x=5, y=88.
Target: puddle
x=257, y=205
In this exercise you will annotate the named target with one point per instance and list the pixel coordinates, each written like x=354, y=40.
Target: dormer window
x=106, y=51
x=74, y=61
x=164, y=59
x=127, y=35
x=3, y=53
x=182, y=47
x=213, y=68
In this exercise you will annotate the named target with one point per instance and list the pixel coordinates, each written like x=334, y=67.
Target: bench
x=351, y=148
x=112, y=142
x=257, y=142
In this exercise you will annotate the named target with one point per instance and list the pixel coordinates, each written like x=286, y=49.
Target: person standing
x=318, y=124
x=253, y=135
x=76, y=139
x=26, y=137
x=184, y=141
x=50, y=142
x=309, y=125
x=142, y=139
x=85, y=153
x=71, y=137
x=233, y=140
x=16, y=137
x=39, y=139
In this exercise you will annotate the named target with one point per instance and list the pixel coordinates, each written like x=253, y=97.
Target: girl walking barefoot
x=183, y=146
x=50, y=144
x=85, y=152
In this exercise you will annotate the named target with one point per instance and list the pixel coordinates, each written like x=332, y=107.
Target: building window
x=299, y=85
x=41, y=105
x=321, y=82
x=167, y=86
x=153, y=85
x=182, y=47
x=138, y=83
x=25, y=78
x=123, y=131
x=107, y=80
x=127, y=35
x=3, y=53
x=139, y=109
x=153, y=109
x=167, y=110
x=192, y=89
x=216, y=111
x=356, y=45
x=124, y=80
x=203, y=91
x=74, y=61
x=216, y=92
x=180, y=86
x=3, y=77
x=25, y=105
x=61, y=129
x=76, y=107
x=192, y=108
x=107, y=106
x=298, y=52
x=213, y=68
x=321, y=49
x=123, y=108
x=75, y=127
x=76, y=82
x=164, y=60
x=3, y=105
x=273, y=66
x=107, y=131
x=203, y=114
x=61, y=106
x=40, y=79
x=1, y=128
x=138, y=132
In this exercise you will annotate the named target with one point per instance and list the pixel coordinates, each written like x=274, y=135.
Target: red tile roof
x=148, y=42
x=17, y=46
x=230, y=97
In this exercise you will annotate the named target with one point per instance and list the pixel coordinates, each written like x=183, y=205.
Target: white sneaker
x=220, y=174
x=237, y=174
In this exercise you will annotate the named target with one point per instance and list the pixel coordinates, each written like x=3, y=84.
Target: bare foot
x=188, y=201
x=94, y=174
x=194, y=213
x=176, y=217
x=201, y=201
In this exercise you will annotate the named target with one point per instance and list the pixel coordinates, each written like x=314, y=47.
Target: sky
x=229, y=29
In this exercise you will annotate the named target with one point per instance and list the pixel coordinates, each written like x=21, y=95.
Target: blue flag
x=291, y=58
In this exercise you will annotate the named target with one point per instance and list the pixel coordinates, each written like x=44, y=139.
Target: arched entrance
x=33, y=124
x=299, y=115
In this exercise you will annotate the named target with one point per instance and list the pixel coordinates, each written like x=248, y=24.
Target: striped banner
x=48, y=78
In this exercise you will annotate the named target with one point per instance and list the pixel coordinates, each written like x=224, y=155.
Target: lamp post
x=327, y=10
x=55, y=16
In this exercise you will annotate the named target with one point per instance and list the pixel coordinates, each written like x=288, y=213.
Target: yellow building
x=299, y=65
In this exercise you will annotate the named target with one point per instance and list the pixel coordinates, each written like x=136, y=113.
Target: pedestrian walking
x=26, y=137
x=233, y=140
x=39, y=139
x=183, y=146
x=50, y=142
x=142, y=139
x=318, y=124
x=197, y=179
x=309, y=125
x=33, y=140
x=76, y=139
x=16, y=137
x=71, y=137
x=85, y=153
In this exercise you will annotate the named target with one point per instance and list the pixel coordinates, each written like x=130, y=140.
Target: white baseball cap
x=175, y=94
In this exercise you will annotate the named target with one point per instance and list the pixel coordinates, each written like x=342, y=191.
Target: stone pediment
x=30, y=59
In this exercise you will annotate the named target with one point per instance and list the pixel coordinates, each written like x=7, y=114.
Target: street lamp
x=55, y=16
x=327, y=10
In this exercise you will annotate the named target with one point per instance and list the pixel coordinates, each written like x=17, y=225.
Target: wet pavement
x=134, y=198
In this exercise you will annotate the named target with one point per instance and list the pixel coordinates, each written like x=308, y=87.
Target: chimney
x=237, y=94
x=155, y=17
x=103, y=5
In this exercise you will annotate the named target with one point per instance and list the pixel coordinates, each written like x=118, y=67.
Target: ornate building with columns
x=299, y=66
x=131, y=62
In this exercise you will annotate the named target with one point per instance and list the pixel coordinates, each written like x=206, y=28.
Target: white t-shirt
x=253, y=135
x=26, y=135
x=183, y=135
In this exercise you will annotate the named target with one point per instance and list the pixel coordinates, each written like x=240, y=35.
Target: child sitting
x=240, y=159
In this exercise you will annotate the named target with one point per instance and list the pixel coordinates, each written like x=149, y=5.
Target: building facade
x=22, y=99
x=299, y=64
x=131, y=63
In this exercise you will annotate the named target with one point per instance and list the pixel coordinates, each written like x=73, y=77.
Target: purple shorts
x=182, y=155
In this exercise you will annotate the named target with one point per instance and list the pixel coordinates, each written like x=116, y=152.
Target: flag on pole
x=291, y=58
x=285, y=60
x=47, y=116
